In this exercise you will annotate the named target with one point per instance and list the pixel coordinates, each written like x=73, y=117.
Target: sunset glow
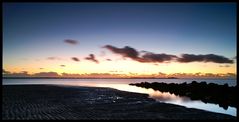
x=119, y=40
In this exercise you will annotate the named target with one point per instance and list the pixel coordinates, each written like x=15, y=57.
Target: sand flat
x=55, y=102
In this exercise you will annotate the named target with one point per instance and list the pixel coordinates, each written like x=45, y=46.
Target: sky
x=119, y=38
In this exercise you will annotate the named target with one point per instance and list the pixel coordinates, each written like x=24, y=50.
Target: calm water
x=122, y=84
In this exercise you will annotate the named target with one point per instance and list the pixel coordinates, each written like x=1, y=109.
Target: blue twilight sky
x=37, y=30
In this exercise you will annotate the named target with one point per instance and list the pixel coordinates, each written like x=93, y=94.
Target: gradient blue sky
x=37, y=30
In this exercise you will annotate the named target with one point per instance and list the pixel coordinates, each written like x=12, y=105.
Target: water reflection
x=165, y=97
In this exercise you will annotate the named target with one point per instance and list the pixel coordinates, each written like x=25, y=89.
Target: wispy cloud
x=224, y=65
x=92, y=58
x=46, y=74
x=115, y=71
x=25, y=74
x=5, y=72
x=13, y=74
x=71, y=41
x=53, y=58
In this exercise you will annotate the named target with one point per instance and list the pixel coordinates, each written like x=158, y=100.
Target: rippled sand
x=65, y=102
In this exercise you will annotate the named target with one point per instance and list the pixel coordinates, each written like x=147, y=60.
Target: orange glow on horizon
x=119, y=68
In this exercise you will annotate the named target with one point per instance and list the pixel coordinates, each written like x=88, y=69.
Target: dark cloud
x=204, y=58
x=151, y=57
x=108, y=59
x=71, y=41
x=92, y=58
x=53, y=58
x=75, y=59
x=125, y=52
x=134, y=54
x=45, y=74
x=41, y=68
x=63, y=65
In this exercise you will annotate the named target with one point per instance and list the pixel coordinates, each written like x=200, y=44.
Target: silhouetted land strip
x=209, y=93
x=86, y=78
x=65, y=102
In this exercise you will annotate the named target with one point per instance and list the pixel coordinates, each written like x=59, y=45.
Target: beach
x=59, y=102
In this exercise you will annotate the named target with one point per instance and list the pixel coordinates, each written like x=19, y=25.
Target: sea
x=123, y=85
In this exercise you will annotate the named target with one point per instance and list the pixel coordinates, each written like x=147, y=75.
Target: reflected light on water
x=157, y=95
x=162, y=96
x=167, y=97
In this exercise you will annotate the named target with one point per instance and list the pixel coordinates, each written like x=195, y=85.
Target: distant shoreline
x=112, y=78
x=82, y=78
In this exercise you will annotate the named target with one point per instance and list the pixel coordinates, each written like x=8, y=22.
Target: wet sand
x=28, y=102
